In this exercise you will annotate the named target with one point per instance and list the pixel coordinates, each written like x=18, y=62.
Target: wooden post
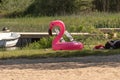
x=114, y=35
x=106, y=36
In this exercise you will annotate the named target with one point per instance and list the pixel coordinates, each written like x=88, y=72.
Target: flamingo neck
x=61, y=33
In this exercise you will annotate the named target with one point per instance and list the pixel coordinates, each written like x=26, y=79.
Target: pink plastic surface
x=57, y=45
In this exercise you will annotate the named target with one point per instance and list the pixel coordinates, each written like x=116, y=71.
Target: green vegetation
x=48, y=53
x=13, y=8
x=78, y=16
x=107, y=5
x=41, y=44
x=42, y=49
x=18, y=8
x=89, y=42
x=74, y=23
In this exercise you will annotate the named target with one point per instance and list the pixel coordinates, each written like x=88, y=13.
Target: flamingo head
x=50, y=28
x=52, y=24
x=56, y=23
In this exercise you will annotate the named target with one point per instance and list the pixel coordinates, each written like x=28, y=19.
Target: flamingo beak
x=50, y=32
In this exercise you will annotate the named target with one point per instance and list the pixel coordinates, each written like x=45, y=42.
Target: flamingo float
x=56, y=44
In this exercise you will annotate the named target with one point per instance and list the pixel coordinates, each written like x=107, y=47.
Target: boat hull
x=9, y=39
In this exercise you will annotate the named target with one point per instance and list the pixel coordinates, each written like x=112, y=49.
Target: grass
x=74, y=23
x=48, y=53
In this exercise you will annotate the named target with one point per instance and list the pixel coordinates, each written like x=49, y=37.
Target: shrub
x=41, y=44
x=14, y=7
x=52, y=7
x=44, y=7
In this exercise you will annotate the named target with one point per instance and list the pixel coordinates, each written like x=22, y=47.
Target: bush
x=58, y=7
x=51, y=7
x=41, y=44
x=44, y=7
x=88, y=41
x=14, y=7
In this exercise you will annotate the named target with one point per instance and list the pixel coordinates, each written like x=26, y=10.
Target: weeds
x=74, y=23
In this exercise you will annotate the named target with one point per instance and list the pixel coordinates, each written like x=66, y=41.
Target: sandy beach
x=76, y=68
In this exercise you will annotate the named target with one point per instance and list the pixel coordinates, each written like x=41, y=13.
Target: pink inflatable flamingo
x=56, y=44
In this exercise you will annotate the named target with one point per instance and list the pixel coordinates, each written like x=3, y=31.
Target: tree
x=51, y=7
x=107, y=5
x=14, y=5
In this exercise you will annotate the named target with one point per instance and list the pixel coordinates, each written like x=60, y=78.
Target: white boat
x=8, y=39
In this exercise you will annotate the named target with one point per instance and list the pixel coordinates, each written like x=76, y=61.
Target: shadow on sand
x=61, y=63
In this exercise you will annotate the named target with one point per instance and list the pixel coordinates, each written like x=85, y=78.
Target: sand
x=76, y=68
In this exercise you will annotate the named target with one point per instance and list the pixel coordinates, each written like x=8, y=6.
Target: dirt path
x=81, y=68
